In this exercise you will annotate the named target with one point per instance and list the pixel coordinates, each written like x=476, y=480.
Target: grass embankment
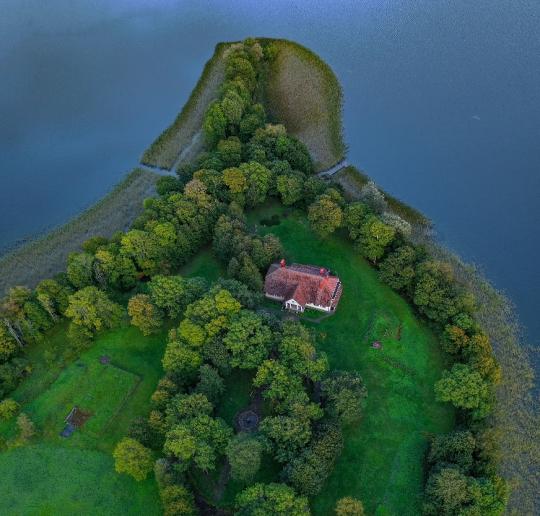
x=352, y=180
x=304, y=94
x=181, y=135
x=81, y=467
x=382, y=462
x=46, y=256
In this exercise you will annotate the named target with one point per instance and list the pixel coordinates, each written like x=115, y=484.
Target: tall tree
x=144, y=314
x=91, y=309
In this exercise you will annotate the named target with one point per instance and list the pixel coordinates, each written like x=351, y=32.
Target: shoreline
x=45, y=254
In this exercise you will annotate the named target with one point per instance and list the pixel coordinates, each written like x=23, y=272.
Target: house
x=302, y=286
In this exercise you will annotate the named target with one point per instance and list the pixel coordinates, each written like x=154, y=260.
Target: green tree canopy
x=91, y=309
x=325, y=216
x=244, y=456
x=144, y=314
x=248, y=340
x=465, y=389
x=133, y=458
x=276, y=499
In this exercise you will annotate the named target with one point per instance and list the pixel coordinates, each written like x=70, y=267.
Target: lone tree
x=133, y=458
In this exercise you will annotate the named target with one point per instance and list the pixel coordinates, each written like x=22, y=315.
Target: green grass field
x=382, y=460
x=56, y=467
x=45, y=480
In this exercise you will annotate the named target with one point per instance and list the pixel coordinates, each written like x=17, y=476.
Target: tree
x=373, y=197
x=355, y=216
x=349, y=506
x=258, y=182
x=241, y=68
x=277, y=499
x=398, y=269
x=80, y=269
x=244, y=456
x=308, y=471
x=298, y=353
x=177, y=501
x=53, y=297
x=465, y=389
x=236, y=182
x=456, y=448
x=198, y=441
x=287, y=434
x=8, y=408
x=375, y=237
x=169, y=293
x=435, y=293
x=8, y=344
x=91, y=309
x=232, y=106
x=344, y=393
x=446, y=492
x=279, y=381
x=325, y=216
x=144, y=314
x=290, y=188
x=210, y=383
x=230, y=151
x=188, y=406
x=214, y=124
x=114, y=269
x=132, y=458
x=181, y=361
x=248, y=340
x=246, y=271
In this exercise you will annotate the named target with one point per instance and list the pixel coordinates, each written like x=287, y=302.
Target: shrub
x=8, y=408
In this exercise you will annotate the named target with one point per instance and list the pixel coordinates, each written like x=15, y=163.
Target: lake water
x=442, y=106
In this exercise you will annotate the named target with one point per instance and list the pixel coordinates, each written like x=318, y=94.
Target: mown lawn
x=382, y=460
x=115, y=394
x=47, y=480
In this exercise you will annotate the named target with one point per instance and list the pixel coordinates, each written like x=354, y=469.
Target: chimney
x=282, y=263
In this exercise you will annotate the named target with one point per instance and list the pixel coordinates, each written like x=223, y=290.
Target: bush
x=8, y=408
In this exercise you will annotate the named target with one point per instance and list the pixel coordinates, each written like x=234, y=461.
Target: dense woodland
x=217, y=328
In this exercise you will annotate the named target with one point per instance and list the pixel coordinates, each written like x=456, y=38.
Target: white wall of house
x=319, y=307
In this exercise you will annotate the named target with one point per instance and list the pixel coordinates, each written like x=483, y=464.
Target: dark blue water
x=442, y=106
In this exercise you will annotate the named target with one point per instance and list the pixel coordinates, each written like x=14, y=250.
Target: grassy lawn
x=304, y=94
x=46, y=480
x=382, y=460
x=205, y=265
x=81, y=467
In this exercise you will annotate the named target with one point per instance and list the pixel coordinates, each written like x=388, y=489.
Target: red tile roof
x=306, y=284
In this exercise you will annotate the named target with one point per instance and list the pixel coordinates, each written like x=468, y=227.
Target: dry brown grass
x=46, y=256
x=304, y=94
x=167, y=147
